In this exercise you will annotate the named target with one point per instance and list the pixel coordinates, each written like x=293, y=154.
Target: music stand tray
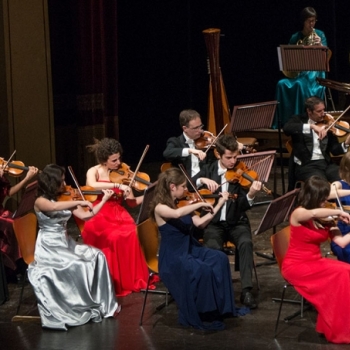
x=27, y=201
x=296, y=58
x=276, y=213
x=147, y=199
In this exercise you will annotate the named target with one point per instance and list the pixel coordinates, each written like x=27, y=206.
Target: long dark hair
x=50, y=181
x=315, y=191
x=162, y=191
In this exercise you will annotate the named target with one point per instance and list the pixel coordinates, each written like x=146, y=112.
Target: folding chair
x=25, y=228
x=280, y=242
x=148, y=235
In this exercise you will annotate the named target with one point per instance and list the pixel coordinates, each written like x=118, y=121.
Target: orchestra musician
x=312, y=144
x=113, y=230
x=71, y=282
x=182, y=149
x=8, y=243
x=343, y=253
x=231, y=222
x=292, y=91
x=198, y=278
x=323, y=282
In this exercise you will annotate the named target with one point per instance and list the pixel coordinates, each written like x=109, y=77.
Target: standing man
x=231, y=222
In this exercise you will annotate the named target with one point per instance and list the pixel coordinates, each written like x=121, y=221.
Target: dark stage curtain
x=83, y=37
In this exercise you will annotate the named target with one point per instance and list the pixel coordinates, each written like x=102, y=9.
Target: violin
x=338, y=128
x=208, y=140
x=14, y=168
x=205, y=141
x=123, y=175
x=89, y=193
x=207, y=195
x=243, y=175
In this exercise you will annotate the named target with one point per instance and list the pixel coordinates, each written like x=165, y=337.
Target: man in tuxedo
x=231, y=222
x=312, y=143
x=182, y=149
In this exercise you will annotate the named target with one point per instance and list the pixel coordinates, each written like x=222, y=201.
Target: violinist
x=182, y=149
x=231, y=222
x=324, y=282
x=8, y=243
x=312, y=144
x=71, y=281
x=343, y=253
x=198, y=278
x=113, y=230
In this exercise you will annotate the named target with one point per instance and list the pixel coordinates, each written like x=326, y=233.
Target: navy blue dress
x=198, y=278
x=343, y=254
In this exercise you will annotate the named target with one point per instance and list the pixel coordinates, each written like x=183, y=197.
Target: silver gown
x=71, y=281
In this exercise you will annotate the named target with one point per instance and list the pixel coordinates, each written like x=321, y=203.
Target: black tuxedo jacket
x=303, y=143
x=173, y=153
x=235, y=209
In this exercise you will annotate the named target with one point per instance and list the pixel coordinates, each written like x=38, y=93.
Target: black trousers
x=216, y=234
x=321, y=168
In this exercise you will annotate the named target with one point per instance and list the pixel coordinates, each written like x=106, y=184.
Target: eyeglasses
x=197, y=127
x=313, y=20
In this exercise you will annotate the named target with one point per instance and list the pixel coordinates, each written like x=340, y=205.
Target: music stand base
x=269, y=257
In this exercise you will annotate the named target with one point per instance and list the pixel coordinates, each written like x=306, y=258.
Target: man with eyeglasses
x=182, y=149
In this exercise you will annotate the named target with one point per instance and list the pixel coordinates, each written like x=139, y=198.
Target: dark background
x=162, y=66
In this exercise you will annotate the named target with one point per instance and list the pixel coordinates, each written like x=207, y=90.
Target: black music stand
x=261, y=163
x=147, y=199
x=296, y=58
x=276, y=213
x=27, y=201
x=256, y=116
x=335, y=85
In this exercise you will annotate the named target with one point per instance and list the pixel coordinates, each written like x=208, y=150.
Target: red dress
x=113, y=231
x=8, y=241
x=324, y=282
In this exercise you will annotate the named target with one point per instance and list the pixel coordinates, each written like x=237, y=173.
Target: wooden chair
x=149, y=240
x=165, y=166
x=25, y=228
x=280, y=242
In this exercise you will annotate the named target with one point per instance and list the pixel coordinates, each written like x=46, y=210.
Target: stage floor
x=160, y=329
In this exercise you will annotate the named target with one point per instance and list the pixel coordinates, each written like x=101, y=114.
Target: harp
x=218, y=107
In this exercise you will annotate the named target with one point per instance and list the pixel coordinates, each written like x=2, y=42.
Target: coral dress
x=324, y=282
x=113, y=231
x=8, y=241
x=71, y=281
x=198, y=278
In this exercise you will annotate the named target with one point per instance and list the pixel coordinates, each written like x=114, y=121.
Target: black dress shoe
x=248, y=300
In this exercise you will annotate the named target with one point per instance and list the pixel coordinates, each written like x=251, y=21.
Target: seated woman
x=198, y=278
x=324, y=282
x=71, y=282
x=343, y=254
x=291, y=92
x=113, y=230
x=8, y=243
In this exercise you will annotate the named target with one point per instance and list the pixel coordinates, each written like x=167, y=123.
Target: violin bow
x=70, y=169
x=337, y=195
x=139, y=165
x=332, y=124
x=9, y=160
x=182, y=168
x=214, y=141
